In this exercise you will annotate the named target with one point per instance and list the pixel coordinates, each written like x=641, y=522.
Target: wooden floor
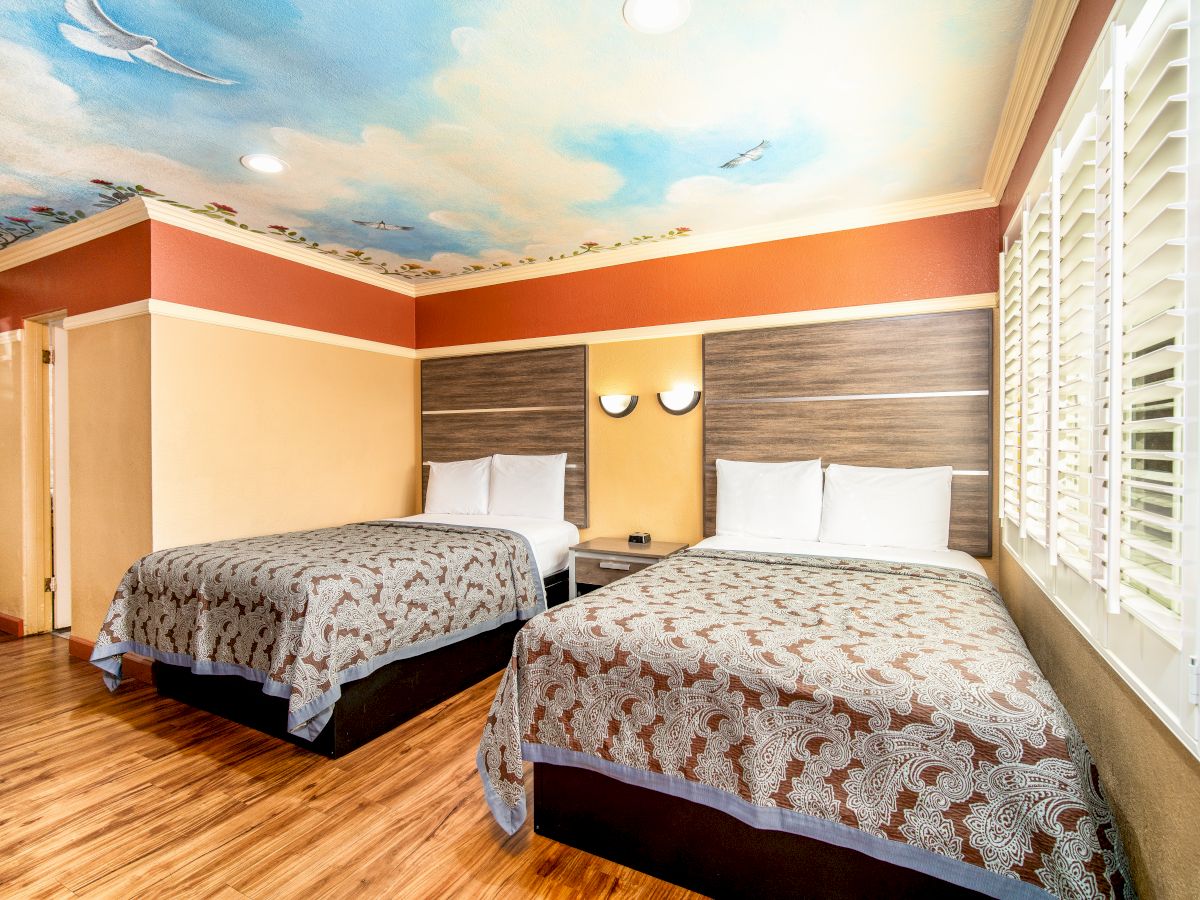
x=131, y=795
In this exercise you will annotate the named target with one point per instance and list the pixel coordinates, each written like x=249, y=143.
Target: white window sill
x=1161, y=621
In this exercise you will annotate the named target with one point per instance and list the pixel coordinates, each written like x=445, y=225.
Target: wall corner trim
x=170, y=310
x=1043, y=38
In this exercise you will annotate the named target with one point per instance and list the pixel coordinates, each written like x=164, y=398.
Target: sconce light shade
x=618, y=405
x=679, y=401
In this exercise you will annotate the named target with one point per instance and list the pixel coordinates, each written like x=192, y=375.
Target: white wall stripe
x=498, y=409
x=229, y=320
x=911, y=395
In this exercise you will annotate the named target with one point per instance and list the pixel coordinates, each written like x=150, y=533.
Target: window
x=1100, y=495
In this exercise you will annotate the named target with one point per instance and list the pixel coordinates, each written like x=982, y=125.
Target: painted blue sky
x=502, y=130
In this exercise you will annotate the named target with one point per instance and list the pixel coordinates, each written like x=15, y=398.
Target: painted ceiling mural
x=430, y=138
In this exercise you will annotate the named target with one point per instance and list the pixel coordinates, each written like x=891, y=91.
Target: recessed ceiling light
x=655, y=16
x=263, y=162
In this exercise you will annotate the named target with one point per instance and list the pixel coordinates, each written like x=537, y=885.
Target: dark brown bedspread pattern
x=307, y=611
x=889, y=707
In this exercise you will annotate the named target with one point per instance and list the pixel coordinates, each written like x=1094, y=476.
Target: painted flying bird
x=383, y=226
x=749, y=156
x=105, y=37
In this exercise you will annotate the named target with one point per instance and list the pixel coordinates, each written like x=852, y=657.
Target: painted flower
x=682, y=229
x=223, y=208
x=589, y=244
x=18, y=220
x=282, y=229
x=433, y=271
x=41, y=209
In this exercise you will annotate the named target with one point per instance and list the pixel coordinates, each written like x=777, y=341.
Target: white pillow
x=532, y=486
x=773, y=500
x=887, y=507
x=459, y=488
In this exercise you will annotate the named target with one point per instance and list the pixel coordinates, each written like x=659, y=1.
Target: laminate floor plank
x=127, y=794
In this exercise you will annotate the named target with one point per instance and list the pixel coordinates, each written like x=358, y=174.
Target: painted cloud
x=504, y=132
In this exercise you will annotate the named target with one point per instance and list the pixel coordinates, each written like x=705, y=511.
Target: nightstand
x=602, y=561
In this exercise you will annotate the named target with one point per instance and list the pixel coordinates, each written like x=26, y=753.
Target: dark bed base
x=709, y=851
x=369, y=706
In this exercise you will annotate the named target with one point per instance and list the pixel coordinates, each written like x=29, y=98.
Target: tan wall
x=11, y=537
x=257, y=433
x=645, y=469
x=109, y=389
x=1152, y=782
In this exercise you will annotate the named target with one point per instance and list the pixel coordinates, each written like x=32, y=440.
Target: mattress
x=551, y=540
x=948, y=559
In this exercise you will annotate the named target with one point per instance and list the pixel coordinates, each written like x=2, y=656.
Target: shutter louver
x=1010, y=327
x=1075, y=349
x=1035, y=415
x=1153, y=318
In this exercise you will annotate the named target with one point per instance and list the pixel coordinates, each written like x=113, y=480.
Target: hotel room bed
x=746, y=722
x=330, y=637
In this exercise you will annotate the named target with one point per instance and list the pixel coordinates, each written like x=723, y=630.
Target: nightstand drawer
x=605, y=571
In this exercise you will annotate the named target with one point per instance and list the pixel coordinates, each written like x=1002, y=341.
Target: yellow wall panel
x=258, y=433
x=111, y=514
x=646, y=468
x=11, y=536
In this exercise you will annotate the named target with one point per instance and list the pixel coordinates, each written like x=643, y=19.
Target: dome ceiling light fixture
x=264, y=163
x=655, y=16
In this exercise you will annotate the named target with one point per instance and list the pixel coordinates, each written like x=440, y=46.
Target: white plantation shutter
x=1074, y=348
x=1151, y=445
x=1035, y=411
x=1010, y=331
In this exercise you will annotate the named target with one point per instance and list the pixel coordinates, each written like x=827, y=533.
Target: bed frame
x=709, y=851
x=369, y=706
x=898, y=392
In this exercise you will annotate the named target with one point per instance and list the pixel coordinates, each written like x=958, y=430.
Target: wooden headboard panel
x=532, y=402
x=904, y=391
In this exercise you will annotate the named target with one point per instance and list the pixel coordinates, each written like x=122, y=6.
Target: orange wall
x=153, y=260
x=939, y=256
x=202, y=271
x=108, y=271
x=1082, y=33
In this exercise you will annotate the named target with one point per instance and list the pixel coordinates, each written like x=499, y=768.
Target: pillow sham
x=887, y=507
x=459, y=488
x=772, y=500
x=532, y=486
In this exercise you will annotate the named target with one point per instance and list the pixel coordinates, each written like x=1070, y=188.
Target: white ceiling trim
x=11, y=337
x=171, y=310
x=1044, y=34
x=139, y=210
x=710, y=326
x=962, y=201
x=69, y=236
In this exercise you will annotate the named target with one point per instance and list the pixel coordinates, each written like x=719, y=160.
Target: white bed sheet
x=551, y=540
x=950, y=559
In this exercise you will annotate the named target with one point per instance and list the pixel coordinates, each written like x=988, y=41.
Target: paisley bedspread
x=305, y=612
x=892, y=708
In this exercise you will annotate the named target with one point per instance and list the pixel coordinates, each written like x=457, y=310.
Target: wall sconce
x=618, y=405
x=679, y=401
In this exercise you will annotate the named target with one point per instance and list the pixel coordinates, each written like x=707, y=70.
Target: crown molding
x=73, y=235
x=710, y=326
x=1044, y=34
x=167, y=309
x=265, y=243
x=944, y=204
x=139, y=209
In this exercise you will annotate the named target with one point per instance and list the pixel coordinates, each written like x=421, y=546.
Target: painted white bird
x=749, y=156
x=383, y=226
x=105, y=37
